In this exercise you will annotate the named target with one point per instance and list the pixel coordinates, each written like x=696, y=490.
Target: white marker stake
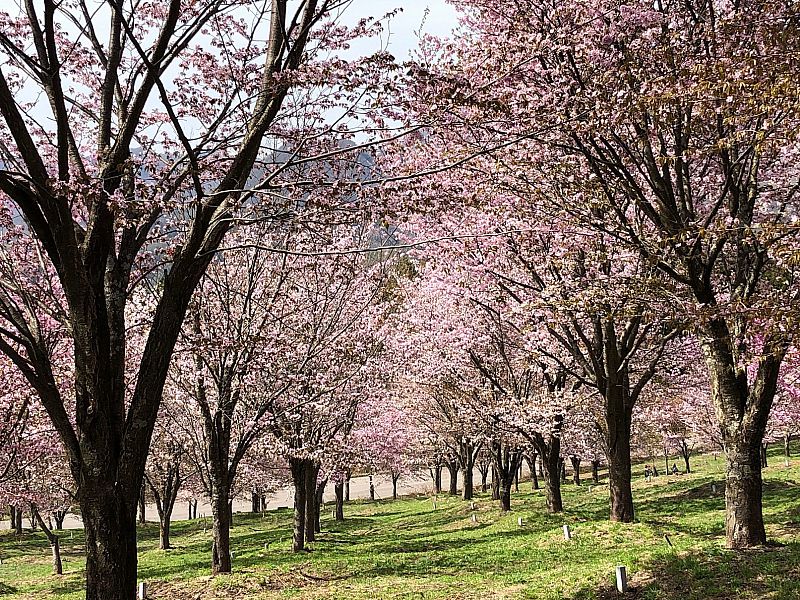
x=520, y=521
x=713, y=488
x=473, y=506
x=142, y=590
x=622, y=579
x=474, y=518
x=567, y=533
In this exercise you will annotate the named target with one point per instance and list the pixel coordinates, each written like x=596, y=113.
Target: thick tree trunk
x=595, y=471
x=255, y=501
x=12, y=515
x=452, y=468
x=505, y=494
x=495, y=484
x=576, y=469
x=618, y=411
x=18, y=525
x=339, y=491
x=467, y=493
x=109, y=524
x=298, y=469
x=311, y=471
x=221, y=531
x=549, y=452
x=744, y=522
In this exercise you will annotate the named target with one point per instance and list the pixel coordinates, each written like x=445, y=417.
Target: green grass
x=408, y=549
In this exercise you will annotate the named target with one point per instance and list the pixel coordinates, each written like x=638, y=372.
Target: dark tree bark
x=142, y=506
x=506, y=463
x=530, y=459
x=548, y=450
x=436, y=475
x=165, y=490
x=12, y=515
x=339, y=492
x=18, y=525
x=562, y=467
x=347, y=487
x=576, y=469
x=318, y=496
x=395, y=478
x=618, y=445
x=221, y=531
x=467, y=455
x=311, y=471
x=483, y=469
x=255, y=501
x=297, y=467
x=595, y=471
x=686, y=452
x=495, y=483
x=764, y=462
x=58, y=517
x=452, y=469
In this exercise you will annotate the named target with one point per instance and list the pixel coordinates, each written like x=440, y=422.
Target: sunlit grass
x=408, y=549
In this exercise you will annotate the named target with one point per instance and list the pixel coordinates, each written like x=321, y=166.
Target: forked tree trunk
x=58, y=517
x=55, y=546
x=483, y=469
x=549, y=452
x=506, y=463
x=452, y=468
x=436, y=476
x=686, y=453
x=395, y=478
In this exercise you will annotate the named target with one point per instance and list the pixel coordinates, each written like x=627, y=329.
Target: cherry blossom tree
x=135, y=173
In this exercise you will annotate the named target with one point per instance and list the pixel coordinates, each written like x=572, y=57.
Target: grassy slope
x=408, y=549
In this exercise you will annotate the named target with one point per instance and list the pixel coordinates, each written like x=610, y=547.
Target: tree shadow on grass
x=772, y=572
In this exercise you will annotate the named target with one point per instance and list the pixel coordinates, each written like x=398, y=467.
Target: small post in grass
x=622, y=579
x=473, y=506
x=520, y=521
x=567, y=533
x=142, y=590
x=713, y=488
x=474, y=518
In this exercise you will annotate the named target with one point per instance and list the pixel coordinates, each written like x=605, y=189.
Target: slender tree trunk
x=395, y=477
x=142, y=507
x=347, y=487
x=339, y=491
x=786, y=439
x=371, y=489
x=562, y=466
x=516, y=479
x=595, y=471
x=484, y=471
x=764, y=456
x=576, y=469
x=298, y=469
x=436, y=475
x=55, y=546
x=318, y=496
x=685, y=452
x=163, y=532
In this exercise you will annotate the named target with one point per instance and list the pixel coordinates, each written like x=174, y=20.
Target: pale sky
x=402, y=31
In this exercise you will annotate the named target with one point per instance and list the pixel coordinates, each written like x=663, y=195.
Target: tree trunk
x=109, y=523
x=467, y=492
x=371, y=489
x=531, y=460
x=298, y=469
x=58, y=517
x=618, y=447
x=484, y=478
x=347, y=487
x=563, y=468
x=764, y=456
x=142, y=507
x=12, y=515
x=452, y=468
x=495, y=484
x=55, y=546
x=318, y=496
x=744, y=522
x=576, y=469
x=595, y=471
x=339, y=491
x=311, y=471
x=516, y=478
x=395, y=477
x=221, y=530
x=18, y=525
x=255, y=501
x=786, y=439
x=163, y=533
x=436, y=475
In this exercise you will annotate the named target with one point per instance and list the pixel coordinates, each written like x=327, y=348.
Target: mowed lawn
x=409, y=549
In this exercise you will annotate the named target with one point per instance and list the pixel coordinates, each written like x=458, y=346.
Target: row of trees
x=185, y=276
